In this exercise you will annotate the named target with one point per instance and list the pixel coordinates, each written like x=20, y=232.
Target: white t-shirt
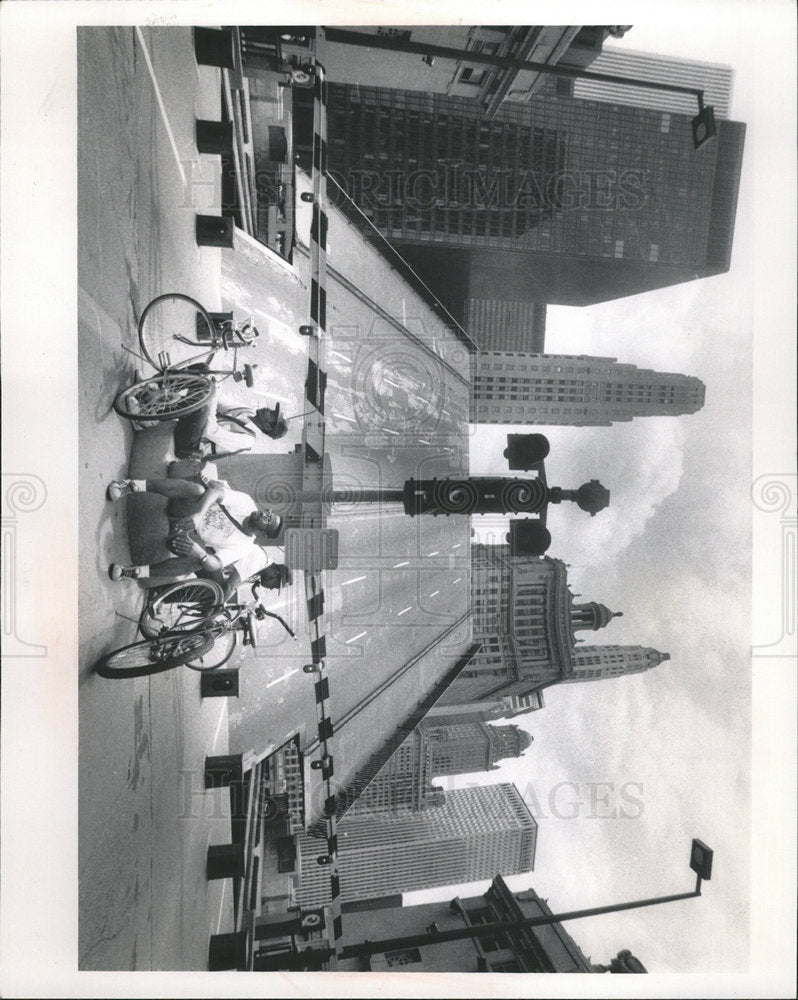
x=232, y=546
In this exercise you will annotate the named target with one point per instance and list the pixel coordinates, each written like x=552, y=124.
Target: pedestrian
x=202, y=426
x=212, y=528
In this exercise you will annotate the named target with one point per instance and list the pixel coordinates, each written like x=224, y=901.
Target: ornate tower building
x=527, y=620
x=576, y=390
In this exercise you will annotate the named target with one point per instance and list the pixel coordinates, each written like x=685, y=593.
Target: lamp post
x=703, y=124
x=700, y=862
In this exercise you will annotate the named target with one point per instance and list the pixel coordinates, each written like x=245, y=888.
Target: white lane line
x=385, y=430
x=283, y=678
x=161, y=105
x=399, y=613
x=355, y=579
x=354, y=638
x=422, y=441
x=432, y=554
x=342, y=417
x=405, y=563
x=342, y=356
x=222, y=716
x=457, y=546
x=459, y=578
x=221, y=906
x=434, y=592
x=395, y=385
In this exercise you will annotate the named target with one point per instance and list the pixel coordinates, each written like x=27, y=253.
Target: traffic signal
x=524, y=451
x=478, y=495
x=528, y=537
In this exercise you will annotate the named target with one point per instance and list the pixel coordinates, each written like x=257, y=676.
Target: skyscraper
x=437, y=747
x=526, y=618
x=715, y=80
x=477, y=833
x=581, y=391
x=557, y=200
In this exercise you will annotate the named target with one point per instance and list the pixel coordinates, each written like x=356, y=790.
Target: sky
x=673, y=553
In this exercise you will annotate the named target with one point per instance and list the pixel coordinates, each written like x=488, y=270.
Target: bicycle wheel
x=177, y=325
x=179, y=606
x=154, y=655
x=164, y=397
x=221, y=651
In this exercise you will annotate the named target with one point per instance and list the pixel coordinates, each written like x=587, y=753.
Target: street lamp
x=703, y=125
x=700, y=862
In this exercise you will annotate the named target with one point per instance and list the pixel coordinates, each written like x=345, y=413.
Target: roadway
x=397, y=401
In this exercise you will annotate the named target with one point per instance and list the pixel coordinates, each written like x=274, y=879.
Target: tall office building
x=714, y=79
x=476, y=833
x=556, y=200
x=436, y=748
x=577, y=390
x=526, y=618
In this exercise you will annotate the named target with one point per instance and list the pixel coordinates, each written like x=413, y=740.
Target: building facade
x=575, y=390
x=475, y=833
x=715, y=80
x=549, y=948
x=436, y=748
x=527, y=620
x=554, y=200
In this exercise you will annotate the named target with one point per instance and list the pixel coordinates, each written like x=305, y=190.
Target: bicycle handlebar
x=261, y=612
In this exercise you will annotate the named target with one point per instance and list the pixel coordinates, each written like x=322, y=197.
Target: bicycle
x=185, y=622
x=170, y=330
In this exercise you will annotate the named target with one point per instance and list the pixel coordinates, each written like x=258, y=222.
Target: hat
x=270, y=422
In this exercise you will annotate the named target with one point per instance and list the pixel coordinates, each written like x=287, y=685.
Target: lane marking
x=161, y=105
x=345, y=358
x=457, y=546
x=222, y=715
x=283, y=678
x=343, y=417
x=459, y=578
x=355, y=638
x=405, y=563
x=434, y=592
x=432, y=554
x=221, y=905
x=400, y=613
x=385, y=430
x=355, y=579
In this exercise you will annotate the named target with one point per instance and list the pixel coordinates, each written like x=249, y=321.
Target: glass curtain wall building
x=558, y=200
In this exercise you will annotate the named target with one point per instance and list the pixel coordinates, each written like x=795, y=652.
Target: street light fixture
x=700, y=862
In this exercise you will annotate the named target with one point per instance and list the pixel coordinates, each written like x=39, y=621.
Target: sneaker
x=120, y=487
x=118, y=572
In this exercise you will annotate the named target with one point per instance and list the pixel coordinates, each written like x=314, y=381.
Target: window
x=472, y=76
x=508, y=966
x=408, y=956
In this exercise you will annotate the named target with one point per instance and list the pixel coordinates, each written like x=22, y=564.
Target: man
x=212, y=529
x=193, y=430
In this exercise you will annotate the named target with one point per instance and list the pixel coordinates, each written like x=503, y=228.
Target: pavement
x=397, y=407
